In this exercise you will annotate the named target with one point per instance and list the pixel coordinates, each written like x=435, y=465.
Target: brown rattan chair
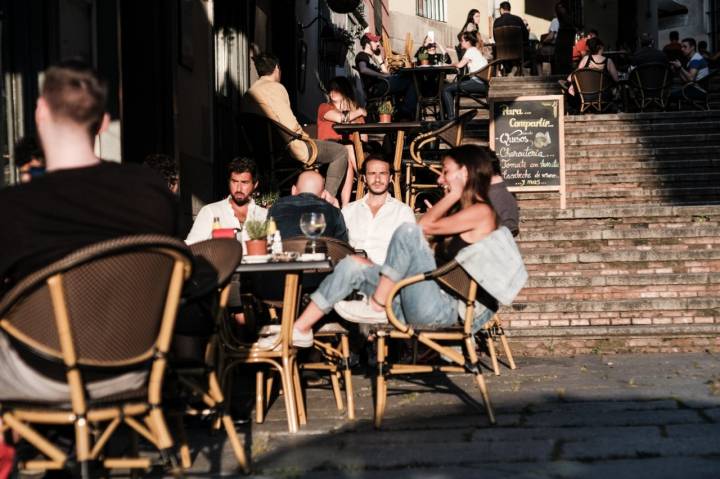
x=104, y=310
x=268, y=140
x=594, y=88
x=699, y=100
x=480, y=99
x=425, y=155
x=491, y=331
x=332, y=339
x=215, y=263
x=510, y=47
x=650, y=86
x=457, y=282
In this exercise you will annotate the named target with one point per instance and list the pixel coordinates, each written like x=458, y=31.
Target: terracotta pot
x=385, y=118
x=424, y=62
x=256, y=247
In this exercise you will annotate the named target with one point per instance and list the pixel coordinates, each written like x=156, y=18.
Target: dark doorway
x=147, y=65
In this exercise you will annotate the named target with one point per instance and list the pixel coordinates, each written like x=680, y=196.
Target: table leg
x=397, y=163
x=359, y=159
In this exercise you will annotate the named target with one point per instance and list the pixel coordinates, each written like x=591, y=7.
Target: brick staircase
x=633, y=263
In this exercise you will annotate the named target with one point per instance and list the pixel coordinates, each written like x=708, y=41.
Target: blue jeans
x=423, y=303
x=449, y=92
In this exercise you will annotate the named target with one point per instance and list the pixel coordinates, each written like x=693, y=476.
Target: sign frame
x=561, y=141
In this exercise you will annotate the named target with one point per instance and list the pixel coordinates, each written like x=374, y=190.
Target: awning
x=668, y=8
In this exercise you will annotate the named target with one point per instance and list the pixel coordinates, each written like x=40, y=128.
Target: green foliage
x=256, y=229
x=266, y=200
x=423, y=56
x=386, y=108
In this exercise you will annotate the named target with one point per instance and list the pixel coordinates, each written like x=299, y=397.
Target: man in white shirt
x=371, y=223
x=236, y=209
x=372, y=220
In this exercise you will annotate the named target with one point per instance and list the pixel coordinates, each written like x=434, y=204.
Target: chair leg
x=335, y=381
x=259, y=396
x=286, y=376
x=506, y=348
x=381, y=384
x=345, y=347
x=299, y=401
x=490, y=341
x=237, y=446
x=472, y=353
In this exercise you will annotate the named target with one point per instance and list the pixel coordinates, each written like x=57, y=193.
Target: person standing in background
x=562, y=64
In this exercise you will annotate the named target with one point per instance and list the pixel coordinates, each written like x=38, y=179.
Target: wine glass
x=312, y=225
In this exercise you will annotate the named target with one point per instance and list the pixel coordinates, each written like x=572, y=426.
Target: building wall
x=694, y=24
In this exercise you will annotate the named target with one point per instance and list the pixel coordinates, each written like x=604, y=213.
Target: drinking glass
x=312, y=225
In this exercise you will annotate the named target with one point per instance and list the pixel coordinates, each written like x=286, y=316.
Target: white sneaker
x=271, y=342
x=359, y=311
x=302, y=340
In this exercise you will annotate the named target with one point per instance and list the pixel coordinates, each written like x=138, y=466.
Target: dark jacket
x=287, y=212
x=648, y=55
x=510, y=20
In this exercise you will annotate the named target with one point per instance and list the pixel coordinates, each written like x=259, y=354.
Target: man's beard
x=240, y=200
x=377, y=51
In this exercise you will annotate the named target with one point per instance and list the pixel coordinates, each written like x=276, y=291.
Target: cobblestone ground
x=623, y=416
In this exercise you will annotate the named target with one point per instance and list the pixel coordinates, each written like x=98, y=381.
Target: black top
x=366, y=67
x=447, y=250
x=64, y=210
x=648, y=55
x=510, y=20
x=287, y=212
x=506, y=207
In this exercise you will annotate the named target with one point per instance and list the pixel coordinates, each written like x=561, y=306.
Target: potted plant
x=267, y=199
x=423, y=58
x=257, y=232
x=385, y=111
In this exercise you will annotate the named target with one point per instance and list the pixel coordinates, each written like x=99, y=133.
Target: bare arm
x=612, y=70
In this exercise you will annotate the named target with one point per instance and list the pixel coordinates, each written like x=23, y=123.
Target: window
x=432, y=9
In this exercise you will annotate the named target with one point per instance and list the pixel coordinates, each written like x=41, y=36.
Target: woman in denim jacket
x=463, y=216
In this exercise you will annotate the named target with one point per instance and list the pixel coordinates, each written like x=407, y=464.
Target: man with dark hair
x=268, y=97
x=507, y=19
x=647, y=53
x=697, y=69
x=673, y=50
x=80, y=201
x=166, y=167
x=234, y=210
x=371, y=71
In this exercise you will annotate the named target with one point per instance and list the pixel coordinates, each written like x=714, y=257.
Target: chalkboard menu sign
x=527, y=134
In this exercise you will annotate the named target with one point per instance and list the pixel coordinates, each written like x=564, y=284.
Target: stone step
x=621, y=281
x=639, y=118
x=659, y=165
x=635, y=152
x=651, y=129
x=620, y=214
x=607, y=258
x=655, y=141
x=709, y=305
x=617, y=293
x=689, y=177
x=689, y=235
x=705, y=195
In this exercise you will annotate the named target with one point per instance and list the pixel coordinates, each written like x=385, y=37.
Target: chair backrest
x=456, y=279
x=118, y=296
x=264, y=137
x=214, y=261
x=590, y=83
x=508, y=43
x=652, y=78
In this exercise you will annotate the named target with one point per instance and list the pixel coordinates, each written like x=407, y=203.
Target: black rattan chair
x=510, y=47
x=650, y=86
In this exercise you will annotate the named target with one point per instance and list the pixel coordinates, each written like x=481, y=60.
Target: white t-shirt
x=554, y=25
x=202, y=227
x=373, y=233
x=493, y=7
x=476, y=60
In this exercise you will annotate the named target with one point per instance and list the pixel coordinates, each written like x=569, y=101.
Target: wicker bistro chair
x=480, y=99
x=457, y=282
x=702, y=86
x=332, y=339
x=425, y=155
x=510, y=47
x=80, y=316
x=650, y=86
x=215, y=262
x=266, y=138
x=595, y=89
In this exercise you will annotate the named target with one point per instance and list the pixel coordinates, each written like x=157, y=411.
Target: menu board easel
x=528, y=135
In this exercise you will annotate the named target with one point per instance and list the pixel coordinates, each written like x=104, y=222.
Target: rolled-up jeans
x=335, y=156
x=473, y=85
x=423, y=303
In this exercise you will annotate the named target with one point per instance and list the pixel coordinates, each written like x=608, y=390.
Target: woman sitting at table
x=436, y=54
x=475, y=61
x=463, y=216
x=595, y=60
x=341, y=107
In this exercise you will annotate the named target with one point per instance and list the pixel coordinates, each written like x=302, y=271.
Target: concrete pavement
x=623, y=416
